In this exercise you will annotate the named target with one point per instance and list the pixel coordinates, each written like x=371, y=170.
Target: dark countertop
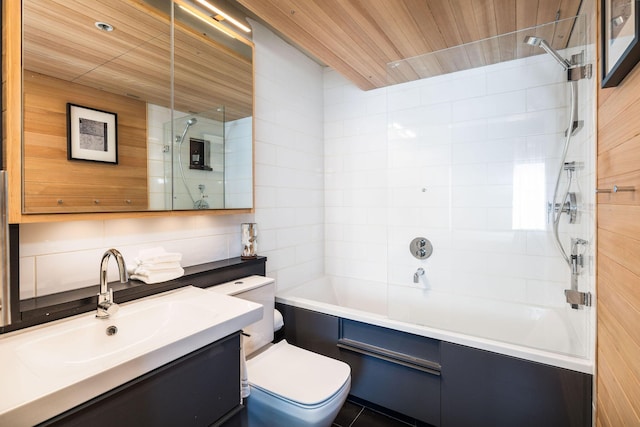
x=34, y=311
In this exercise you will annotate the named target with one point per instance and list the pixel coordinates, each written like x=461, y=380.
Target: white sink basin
x=48, y=369
x=134, y=328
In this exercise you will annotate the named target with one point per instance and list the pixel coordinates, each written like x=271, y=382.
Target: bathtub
x=553, y=336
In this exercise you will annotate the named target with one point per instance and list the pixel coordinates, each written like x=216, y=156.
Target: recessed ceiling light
x=104, y=26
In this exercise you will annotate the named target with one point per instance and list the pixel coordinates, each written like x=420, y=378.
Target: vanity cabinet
x=199, y=389
x=440, y=383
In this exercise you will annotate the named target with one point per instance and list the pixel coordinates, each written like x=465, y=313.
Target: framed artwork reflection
x=91, y=134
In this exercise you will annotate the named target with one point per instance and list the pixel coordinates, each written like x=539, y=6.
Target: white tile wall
x=55, y=257
x=289, y=160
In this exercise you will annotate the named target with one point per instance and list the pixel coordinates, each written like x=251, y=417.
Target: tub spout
x=416, y=276
x=573, y=295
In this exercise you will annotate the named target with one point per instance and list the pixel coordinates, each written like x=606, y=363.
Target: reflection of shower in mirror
x=197, y=151
x=201, y=203
x=192, y=121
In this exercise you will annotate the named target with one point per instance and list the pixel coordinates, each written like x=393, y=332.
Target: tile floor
x=354, y=414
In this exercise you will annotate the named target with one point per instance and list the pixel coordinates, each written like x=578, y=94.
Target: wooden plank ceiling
x=358, y=38
x=60, y=40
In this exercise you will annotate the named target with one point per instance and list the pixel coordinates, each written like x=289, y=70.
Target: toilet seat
x=283, y=371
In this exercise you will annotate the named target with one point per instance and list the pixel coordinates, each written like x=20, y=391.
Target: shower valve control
x=421, y=248
x=570, y=207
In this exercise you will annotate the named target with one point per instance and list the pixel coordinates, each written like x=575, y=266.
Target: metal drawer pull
x=402, y=359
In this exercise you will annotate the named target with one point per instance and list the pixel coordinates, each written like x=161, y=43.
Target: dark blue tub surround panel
x=443, y=384
x=503, y=391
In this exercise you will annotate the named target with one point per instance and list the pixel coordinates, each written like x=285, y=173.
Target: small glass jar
x=249, y=234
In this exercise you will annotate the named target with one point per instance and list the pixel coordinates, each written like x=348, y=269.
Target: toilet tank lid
x=239, y=286
x=298, y=375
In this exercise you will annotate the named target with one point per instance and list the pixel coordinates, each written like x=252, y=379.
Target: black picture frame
x=620, y=41
x=92, y=135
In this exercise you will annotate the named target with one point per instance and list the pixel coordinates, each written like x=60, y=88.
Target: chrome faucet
x=106, y=305
x=416, y=276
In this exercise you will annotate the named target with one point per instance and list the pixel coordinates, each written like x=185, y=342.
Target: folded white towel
x=157, y=255
x=141, y=271
x=157, y=276
x=160, y=267
x=156, y=265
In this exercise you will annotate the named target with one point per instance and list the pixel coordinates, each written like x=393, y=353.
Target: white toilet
x=289, y=386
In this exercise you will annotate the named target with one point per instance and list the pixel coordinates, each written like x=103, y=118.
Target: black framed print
x=91, y=134
x=620, y=41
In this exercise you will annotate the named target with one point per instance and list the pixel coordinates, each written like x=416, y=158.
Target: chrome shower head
x=532, y=40
x=540, y=42
x=192, y=121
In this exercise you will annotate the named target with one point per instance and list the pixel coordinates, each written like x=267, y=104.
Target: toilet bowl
x=289, y=386
x=295, y=387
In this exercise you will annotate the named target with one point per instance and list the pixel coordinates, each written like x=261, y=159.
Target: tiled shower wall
x=449, y=158
x=55, y=257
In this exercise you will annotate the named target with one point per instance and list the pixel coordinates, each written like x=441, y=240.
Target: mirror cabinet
x=125, y=108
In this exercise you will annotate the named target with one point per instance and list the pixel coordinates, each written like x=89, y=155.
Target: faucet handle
x=106, y=306
x=110, y=308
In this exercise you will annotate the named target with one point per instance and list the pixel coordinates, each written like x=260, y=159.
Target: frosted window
x=529, y=198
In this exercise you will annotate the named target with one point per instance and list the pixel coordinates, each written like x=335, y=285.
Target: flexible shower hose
x=184, y=180
x=558, y=214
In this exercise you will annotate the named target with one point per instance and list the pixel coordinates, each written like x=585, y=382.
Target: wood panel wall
x=52, y=183
x=618, y=279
